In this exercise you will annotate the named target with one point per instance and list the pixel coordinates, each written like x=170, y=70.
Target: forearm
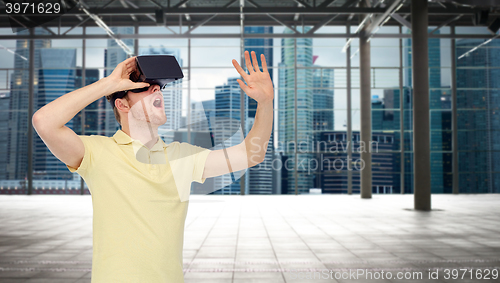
x=258, y=138
x=57, y=113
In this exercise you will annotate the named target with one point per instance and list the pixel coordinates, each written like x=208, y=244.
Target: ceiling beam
x=326, y=3
x=302, y=3
x=230, y=35
x=229, y=3
x=380, y=19
x=77, y=25
x=446, y=23
x=180, y=4
x=321, y=24
x=401, y=20
x=117, y=11
x=283, y=23
x=253, y=3
x=204, y=21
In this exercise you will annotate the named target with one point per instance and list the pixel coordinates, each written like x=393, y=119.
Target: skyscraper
x=56, y=77
x=202, y=114
x=323, y=118
x=260, y=46
x=16, y=162
x=478, y=105
x=225, y=128
x=260, y=177
x=113, y=55
x=93, y=109
x=440, y=177
x=4, y=132
x=286, y=116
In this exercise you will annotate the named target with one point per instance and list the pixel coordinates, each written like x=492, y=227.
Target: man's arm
x=50, y=120
x=253, y=149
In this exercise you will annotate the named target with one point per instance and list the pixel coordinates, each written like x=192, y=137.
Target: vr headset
x=152, y=69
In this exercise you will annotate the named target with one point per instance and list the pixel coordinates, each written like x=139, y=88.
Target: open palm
x=258, y=83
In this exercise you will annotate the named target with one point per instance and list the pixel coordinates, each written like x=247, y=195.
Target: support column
x=421, y=124
x=31, y=93
x=401, y=114
x=84, y=51
x=454, y=118
x=189, y=92
x=366, y=112
x=295, y=112
x=136, y=40
x=242, y=93
x=349, y=113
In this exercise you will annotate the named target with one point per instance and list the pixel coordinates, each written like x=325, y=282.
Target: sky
x=211, y=60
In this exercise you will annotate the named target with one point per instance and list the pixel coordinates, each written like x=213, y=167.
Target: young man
x=139, y=185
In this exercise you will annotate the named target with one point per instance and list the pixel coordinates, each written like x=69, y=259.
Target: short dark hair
x=115, y=110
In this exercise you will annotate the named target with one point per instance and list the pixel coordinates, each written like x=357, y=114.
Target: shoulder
x=97, y=141
x=184, y=147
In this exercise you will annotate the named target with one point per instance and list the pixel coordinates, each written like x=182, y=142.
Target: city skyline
x=111, y=57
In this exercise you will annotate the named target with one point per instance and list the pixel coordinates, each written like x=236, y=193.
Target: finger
x=129, y=60
x=243, y=86
x=240, y=70
x=255, y=62
x=129, y=69
x=131, y=65
x=264, y=63
x=141, y=85
x=248, y=63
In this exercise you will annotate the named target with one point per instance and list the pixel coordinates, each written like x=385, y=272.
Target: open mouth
x=157, y=103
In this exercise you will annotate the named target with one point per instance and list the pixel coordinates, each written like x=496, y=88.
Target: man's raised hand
x=120, y=77
x=258, y=83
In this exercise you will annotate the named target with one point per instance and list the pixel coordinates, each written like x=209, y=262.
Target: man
x=140, y=185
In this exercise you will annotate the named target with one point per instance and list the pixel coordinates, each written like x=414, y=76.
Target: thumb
x=141, y=85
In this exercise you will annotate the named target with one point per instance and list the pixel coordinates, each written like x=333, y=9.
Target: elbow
x=262, y=157
x=37, y=122
x=256, y=159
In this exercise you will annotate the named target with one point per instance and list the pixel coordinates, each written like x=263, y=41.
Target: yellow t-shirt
x=139, y=206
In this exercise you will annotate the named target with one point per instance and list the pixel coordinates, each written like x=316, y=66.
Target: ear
x=122, y=105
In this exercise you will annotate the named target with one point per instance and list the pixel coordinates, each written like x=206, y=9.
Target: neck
x=145, y=132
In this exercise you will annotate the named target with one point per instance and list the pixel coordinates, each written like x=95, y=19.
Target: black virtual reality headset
x=152, y=69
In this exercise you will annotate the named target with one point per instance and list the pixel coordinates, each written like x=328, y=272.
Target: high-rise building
x=333, y=164
x=260, y=46
x=478, y=105
x=323, y=101
x=286, y=117
x=4, y=132
x=93, y=109
x=56, y=77
x=225, y=129
x=202, y=113
x=440, y=176
x=260, y=177
x=113, y=55
x=16, y=162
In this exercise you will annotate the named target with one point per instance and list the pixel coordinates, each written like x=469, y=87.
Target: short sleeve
x=200, y=159
x=197, y=158
x=88, y=162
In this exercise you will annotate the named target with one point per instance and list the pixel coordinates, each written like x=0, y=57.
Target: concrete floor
x=266, y=238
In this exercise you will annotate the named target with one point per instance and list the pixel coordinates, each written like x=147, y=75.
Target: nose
x=155, y=88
